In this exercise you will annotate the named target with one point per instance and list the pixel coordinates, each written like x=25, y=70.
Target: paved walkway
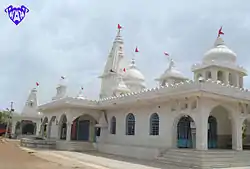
x=12, y=157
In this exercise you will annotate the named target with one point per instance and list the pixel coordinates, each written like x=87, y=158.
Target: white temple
x=130, y=119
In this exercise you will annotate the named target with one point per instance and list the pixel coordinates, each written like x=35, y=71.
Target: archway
x=212, y=132
x=185, y=132
x=83, y=128
x=220, y=76
x=28, y=127
x=44, y=127
x=220, y=128
x=63, y=127
x=18, y=128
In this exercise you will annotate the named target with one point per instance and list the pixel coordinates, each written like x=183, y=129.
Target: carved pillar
x=226, y=78
x=237, y=80
x=68, y=137
x=214, y=75
x=237, y=133
x=202, y=125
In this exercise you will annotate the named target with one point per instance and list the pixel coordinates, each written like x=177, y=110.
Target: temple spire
x=30, y=107
x=112, y=66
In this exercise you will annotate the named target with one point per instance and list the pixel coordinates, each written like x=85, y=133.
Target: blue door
x=184, y=135
x=83, y=130
x=212, y=132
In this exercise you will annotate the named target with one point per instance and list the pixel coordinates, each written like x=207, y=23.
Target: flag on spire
x=62, y=77
x=119, y=26
x=220, y=32
x=166, y=54
x=37, y=84
x=136, y=50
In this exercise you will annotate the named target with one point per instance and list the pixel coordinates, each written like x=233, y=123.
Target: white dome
x=122, y=86
x=173, y=73
x=133, y=73
x=220, y=53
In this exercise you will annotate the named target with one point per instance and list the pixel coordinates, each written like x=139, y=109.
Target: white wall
x=142, y=126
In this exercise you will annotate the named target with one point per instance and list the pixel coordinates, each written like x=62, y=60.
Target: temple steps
x=79, y=146
x=205, y=159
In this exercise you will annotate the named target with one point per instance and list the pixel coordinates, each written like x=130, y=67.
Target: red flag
x=124, y=69
x=136, y=50
x=166, y=54
x=37, y=84
x=220, y=32
x=119, y=26
x=62, y=77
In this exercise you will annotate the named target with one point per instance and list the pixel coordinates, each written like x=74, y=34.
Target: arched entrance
x=185, y=133
x=63, y=127
x=44, y=127
x=18, y=128
x=212, y=132
x=220, y=128
x=28, y=127
x=83, y=128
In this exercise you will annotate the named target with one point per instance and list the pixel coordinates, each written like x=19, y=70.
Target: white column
x=237, y=133
x=214, y=75
x=226, y=78
x=38, y=128
x=237, y=80
x=202, y=126
x=201, y=133
x=68, y=137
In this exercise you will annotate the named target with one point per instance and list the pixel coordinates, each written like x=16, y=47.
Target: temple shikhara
x=191, y=122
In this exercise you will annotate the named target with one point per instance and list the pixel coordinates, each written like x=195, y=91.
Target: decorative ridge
x=173, y=86
x=155, y=89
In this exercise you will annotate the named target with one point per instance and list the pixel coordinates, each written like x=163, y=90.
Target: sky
x=73, y=38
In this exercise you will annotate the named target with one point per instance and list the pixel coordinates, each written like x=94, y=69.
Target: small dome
x=122, y=86
x=220, y=52
x=172, y=72
x=133, y=73
x=80, y=95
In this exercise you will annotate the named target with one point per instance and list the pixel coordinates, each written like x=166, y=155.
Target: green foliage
x=244, y=130
x=4, y=116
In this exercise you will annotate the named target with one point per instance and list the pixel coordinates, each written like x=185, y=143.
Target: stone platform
x=209, y=159
x=38, y=143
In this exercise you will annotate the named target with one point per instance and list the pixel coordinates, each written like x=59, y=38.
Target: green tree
x=4, y=116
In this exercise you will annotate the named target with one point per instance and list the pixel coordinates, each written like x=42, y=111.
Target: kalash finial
x=118, y=36
x=119, y=27
x=219, y=40
x=220, y=32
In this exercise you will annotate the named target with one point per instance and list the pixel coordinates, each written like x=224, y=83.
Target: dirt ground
x=12, y=157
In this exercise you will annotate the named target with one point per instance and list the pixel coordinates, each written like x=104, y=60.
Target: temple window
x=154, y=124
x=113, y=125
x=130, y=124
